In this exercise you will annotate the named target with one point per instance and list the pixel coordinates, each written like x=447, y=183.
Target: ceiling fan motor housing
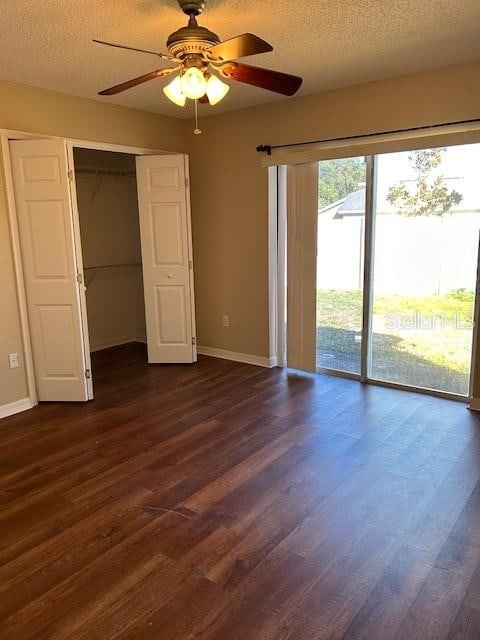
x=191, y=39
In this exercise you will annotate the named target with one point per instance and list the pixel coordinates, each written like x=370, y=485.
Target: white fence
x=413, y=256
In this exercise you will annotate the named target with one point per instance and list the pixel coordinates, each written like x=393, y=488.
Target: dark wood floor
x=301, y=507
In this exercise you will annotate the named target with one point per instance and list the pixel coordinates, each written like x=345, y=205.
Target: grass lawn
x=424, y=340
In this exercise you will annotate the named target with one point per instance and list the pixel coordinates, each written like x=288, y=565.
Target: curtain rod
x=267, y=148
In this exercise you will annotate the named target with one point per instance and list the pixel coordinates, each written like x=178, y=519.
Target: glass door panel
x=426, y=233
x=340, y=263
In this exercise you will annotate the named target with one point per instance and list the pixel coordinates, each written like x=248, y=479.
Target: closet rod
x=112, y=266
x=105, y=172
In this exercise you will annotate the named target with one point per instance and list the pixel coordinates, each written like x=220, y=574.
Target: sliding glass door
x=427, y=222
x=340, y=263
x=397, y=256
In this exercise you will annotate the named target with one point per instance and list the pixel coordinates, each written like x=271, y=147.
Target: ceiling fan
x=198, y=55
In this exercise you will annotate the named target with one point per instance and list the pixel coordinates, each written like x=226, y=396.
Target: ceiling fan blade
x=118, y=88
x=239, y=47
x=164, y=56
x=264, y=78
x=204, y=100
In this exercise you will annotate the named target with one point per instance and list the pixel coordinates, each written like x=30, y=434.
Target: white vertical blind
x=302, y=205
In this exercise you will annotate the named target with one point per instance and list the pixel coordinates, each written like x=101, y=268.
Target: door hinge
x=88, y=375
x=190, y=265
x=79, y=278
x=194, y=341
x=70, y=174
x=187, y=182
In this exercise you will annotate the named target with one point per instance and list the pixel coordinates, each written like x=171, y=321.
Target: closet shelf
x=113, y=266
x=94, y=269
x=92, y=171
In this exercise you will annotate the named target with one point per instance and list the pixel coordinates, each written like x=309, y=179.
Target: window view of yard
x=426, y=229
x=421, y=341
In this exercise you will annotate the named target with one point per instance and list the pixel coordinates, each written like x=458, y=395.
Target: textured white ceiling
x=331, y=43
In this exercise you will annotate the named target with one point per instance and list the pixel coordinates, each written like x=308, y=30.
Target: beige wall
x=230, y=195
x=229, y=189
x=29, y=109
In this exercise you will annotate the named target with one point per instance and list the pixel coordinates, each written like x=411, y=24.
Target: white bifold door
x=164, y=208
x=47, y=240
x=50, y=243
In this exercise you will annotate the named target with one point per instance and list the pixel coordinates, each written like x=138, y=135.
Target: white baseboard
x=245, y=358
x=15, y=407
x=474, y=404
x=116, y=342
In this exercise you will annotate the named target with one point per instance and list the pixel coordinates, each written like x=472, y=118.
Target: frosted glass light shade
x=174, y=92
x=216, y=90
x=193, y=83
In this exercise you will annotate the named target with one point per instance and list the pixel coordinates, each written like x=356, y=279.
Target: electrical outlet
x=13, y=360
x=226, y=321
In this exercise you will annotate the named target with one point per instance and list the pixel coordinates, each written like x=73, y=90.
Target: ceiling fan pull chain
x=196, y=131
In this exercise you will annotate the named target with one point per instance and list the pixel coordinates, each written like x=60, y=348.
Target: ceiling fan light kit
x=216, y=90
x=200, y=57
x=174, y=92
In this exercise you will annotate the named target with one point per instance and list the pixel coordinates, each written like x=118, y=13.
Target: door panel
x=166, y=256
x=57, y=320
x=170, y=330
x=427, y=222
x=168, y=234
x=47, y=215
x=42, y=196
x=340, y=263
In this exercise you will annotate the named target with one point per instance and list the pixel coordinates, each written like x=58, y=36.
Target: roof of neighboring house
x=331, y=208
x=354, y=204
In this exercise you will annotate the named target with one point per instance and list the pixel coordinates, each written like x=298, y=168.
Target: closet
x=106, y=250
x=112, y=258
